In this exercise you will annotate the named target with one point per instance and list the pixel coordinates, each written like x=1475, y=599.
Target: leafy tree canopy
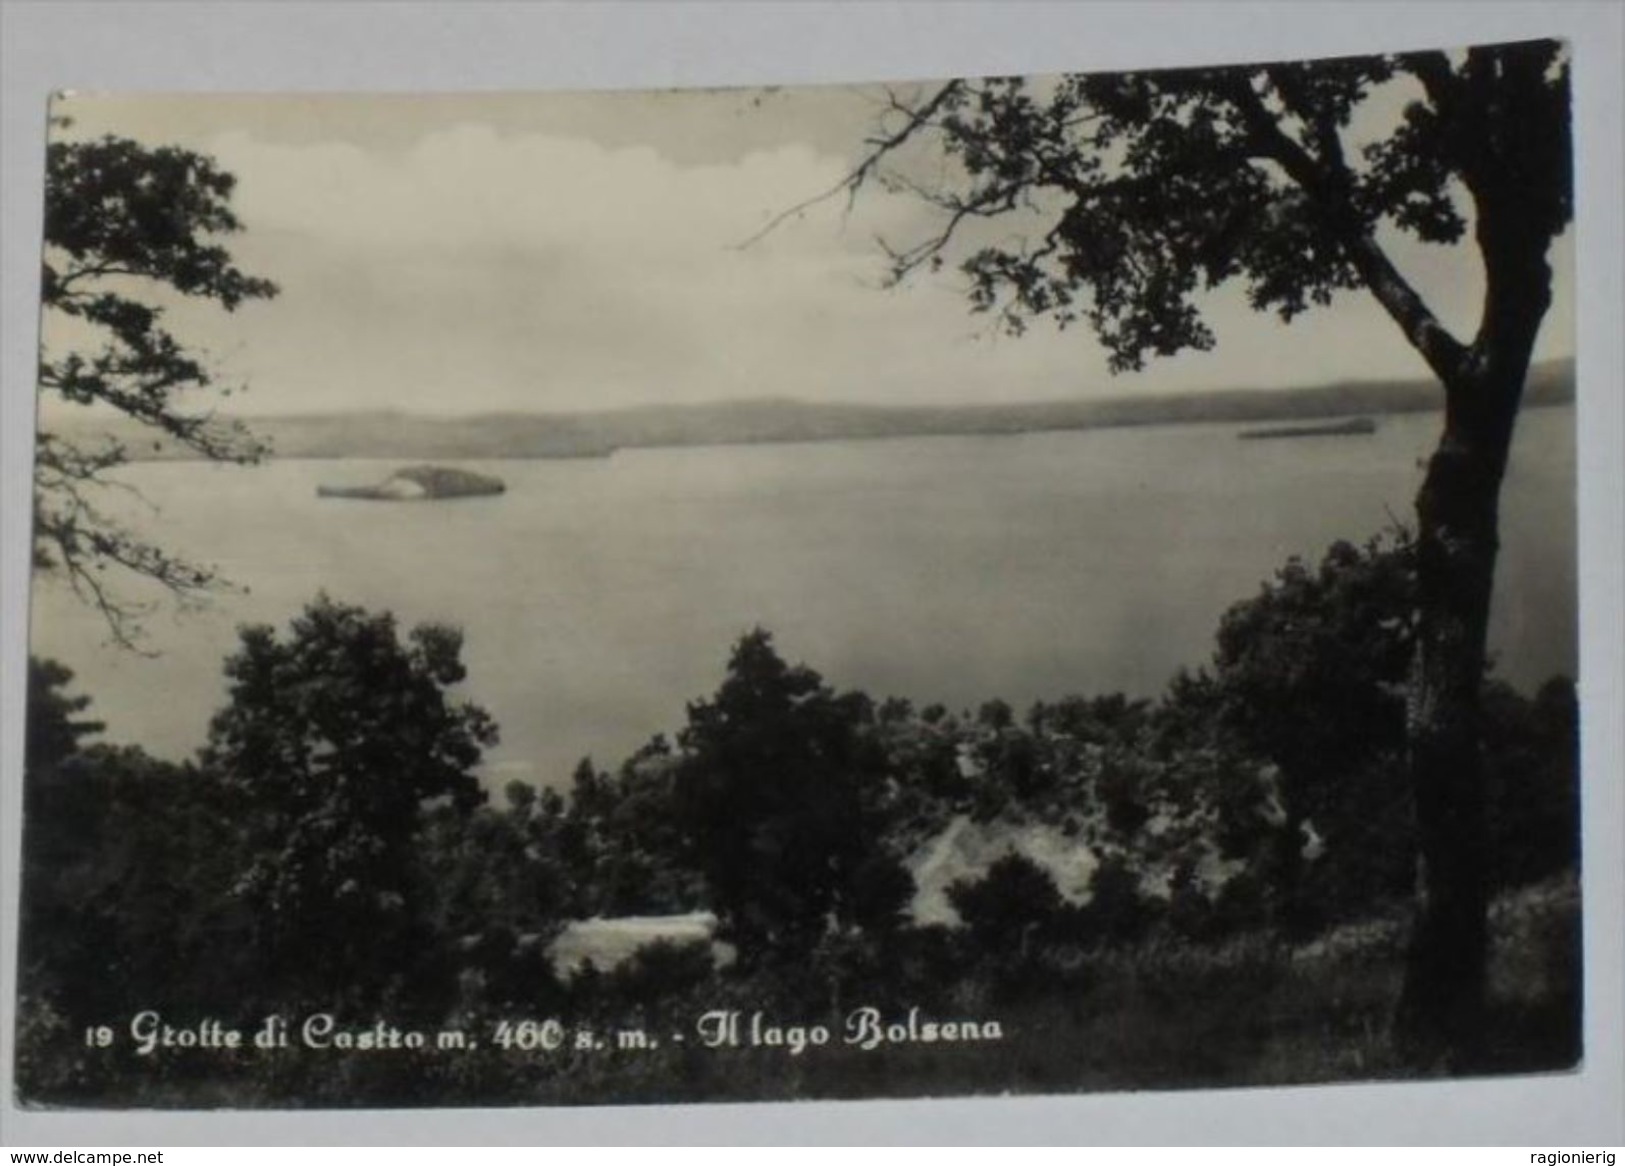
x=775, y=786
x=1310, y=674
x=127, y=227
x=53, y=733
x=335, y=743
x=1117, y=199
x=1139, y=190
x=1013, y=901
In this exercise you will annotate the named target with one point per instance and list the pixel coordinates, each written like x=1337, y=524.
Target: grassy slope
x=1251, y=1012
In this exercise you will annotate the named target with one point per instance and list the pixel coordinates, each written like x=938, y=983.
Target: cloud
x=472, y=188
x=478, y=269
x=510, y=256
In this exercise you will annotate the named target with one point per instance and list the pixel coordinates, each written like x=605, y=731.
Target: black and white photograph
x=1061, y=583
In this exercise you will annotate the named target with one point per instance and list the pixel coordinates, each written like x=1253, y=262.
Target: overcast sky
x=578, y=251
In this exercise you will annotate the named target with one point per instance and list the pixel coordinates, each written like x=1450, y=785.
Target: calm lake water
x=599, y=595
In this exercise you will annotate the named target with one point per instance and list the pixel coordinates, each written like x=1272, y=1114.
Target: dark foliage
x=1310, y=675
x=332, y=850
x=1118, y=911
x=1532, y=774
x=126, y=865
x=53, y=735
x=774, y=789
x=1125, y=197
x=333, y=745
x=622, y=842
x=124, y=223
x=1011, y=906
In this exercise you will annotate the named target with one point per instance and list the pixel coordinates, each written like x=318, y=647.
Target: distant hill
x=391, y=434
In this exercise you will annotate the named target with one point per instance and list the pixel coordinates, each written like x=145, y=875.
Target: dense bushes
x=776, y=792
x=331, y=848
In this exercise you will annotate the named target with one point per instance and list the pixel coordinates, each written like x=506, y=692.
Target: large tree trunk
x=1442, y=1008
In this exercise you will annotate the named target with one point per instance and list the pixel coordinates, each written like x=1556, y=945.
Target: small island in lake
x=1353, y=427
x=420, y=483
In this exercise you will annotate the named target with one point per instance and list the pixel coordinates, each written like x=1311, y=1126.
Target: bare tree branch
x=865, y=169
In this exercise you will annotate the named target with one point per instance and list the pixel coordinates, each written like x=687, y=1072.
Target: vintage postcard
x=1025, y=585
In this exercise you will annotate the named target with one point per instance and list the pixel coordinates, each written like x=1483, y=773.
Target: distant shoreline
x=1352, y=427
x=595, y=435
